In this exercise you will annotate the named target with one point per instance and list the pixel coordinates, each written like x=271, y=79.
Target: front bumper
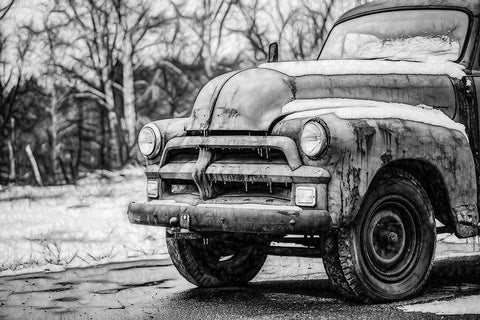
x=260, y=219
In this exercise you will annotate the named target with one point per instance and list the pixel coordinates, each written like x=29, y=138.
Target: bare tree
x=137, y=23
x=10, y=87
x=4, y=9
x=106, y=38
x=310, y=27
x=90, y=37
x=9, y=84
x=198, y=47
x=51, y=48
x=207, y=21
x=300, y=27
x=33, y=163
x=254, y=31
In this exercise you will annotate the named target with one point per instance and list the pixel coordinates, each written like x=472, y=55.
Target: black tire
x=387, y=253
x=219, y=262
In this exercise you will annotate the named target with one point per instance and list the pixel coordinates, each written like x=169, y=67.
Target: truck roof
x=380, y=5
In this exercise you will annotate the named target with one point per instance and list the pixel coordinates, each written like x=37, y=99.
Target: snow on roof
x=336, y=67
x=369, y=109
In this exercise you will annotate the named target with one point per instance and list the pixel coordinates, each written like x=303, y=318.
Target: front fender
x=169, y=129
x=361, y=147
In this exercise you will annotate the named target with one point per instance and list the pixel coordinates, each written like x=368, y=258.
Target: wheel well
x=432, y=181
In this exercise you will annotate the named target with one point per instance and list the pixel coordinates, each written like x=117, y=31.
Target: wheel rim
x=390, y=237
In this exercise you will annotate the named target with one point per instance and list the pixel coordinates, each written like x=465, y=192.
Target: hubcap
x=389, y=239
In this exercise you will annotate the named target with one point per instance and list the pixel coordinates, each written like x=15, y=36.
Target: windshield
x=412, y=35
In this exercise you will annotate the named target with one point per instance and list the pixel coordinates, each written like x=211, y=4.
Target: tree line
x=78, y=83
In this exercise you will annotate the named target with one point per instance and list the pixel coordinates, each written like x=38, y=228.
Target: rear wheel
x=220, y=261
x=387, y=253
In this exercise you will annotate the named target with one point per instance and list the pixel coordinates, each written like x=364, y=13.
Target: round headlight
x=149, y=141
x=314, y=139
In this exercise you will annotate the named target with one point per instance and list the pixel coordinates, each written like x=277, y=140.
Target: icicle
x=270, y=186
x=266, y=151
x=246, y=186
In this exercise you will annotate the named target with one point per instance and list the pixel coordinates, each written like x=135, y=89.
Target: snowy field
x=52, y=228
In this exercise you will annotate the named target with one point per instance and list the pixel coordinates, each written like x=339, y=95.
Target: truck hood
x=254, y=99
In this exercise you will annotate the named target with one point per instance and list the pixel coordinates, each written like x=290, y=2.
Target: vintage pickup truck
x=360, y=157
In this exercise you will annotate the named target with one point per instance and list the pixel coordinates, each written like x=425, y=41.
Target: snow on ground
x=464, y=305
x=52, y=228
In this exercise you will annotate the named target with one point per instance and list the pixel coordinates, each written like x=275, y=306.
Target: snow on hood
x=369, y=109
x=338, y=67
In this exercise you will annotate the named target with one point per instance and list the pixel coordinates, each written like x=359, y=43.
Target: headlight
x=149, y=140
x=314, y=139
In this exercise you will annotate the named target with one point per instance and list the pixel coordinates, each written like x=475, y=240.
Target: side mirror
x=273, y=52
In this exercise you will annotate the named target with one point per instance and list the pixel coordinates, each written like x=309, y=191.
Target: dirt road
x=286, y=288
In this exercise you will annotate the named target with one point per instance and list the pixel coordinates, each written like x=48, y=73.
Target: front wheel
x=220, y=261
x=387, y=253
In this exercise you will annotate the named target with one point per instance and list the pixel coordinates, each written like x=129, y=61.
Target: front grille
x=229, y=155
x=182, y=155
x=232, y=192
x=280, y=190
x=242, y=169
x=226, y=191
